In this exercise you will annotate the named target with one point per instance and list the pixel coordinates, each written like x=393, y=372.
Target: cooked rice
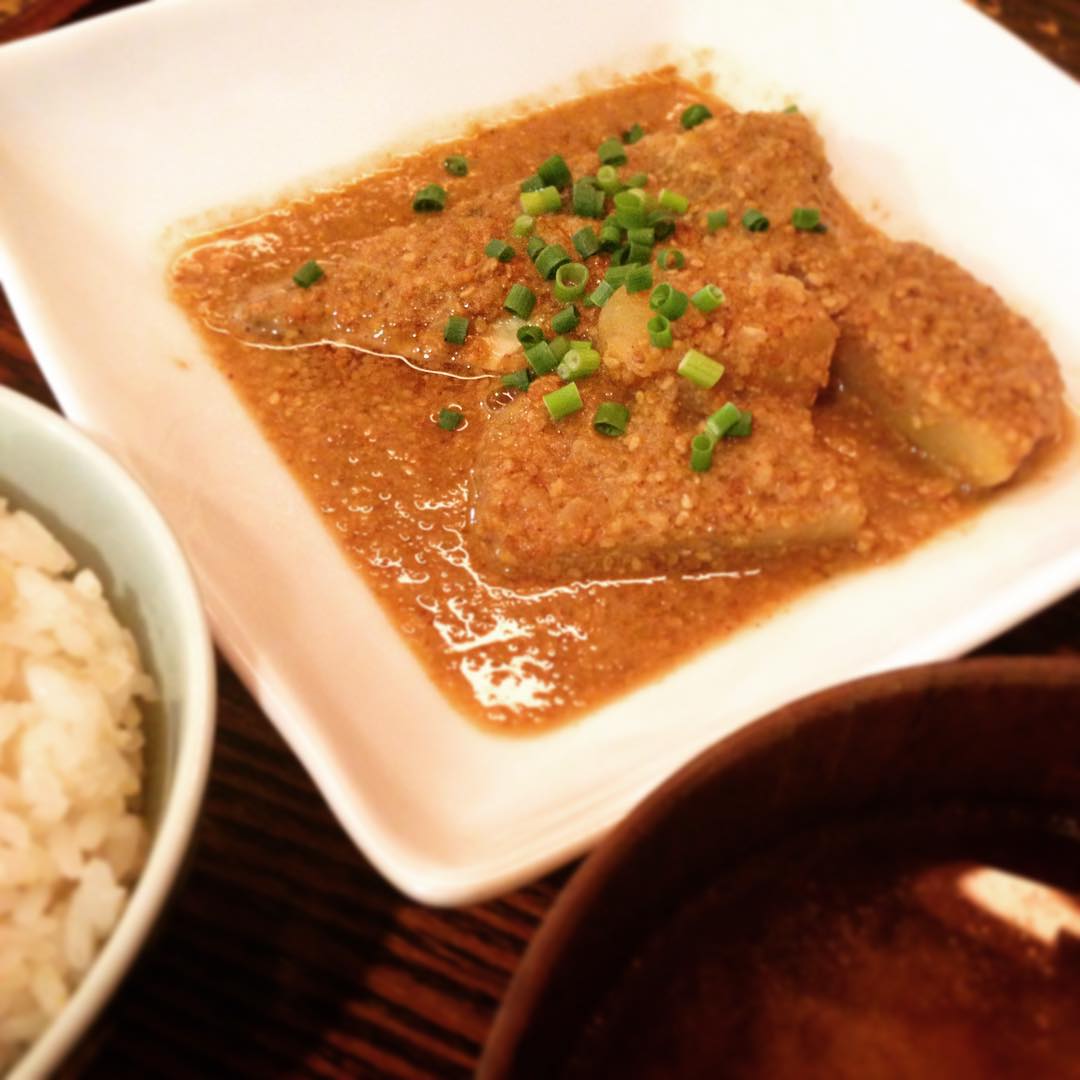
x=71, y=838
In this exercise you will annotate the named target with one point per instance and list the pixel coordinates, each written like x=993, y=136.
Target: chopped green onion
x=670, y=259
x=630, y=198
x=694, y=115
x=535, y=245
x=716, y=219
x=610, y=237
x=660, y=334
x=701, y=452
x=550, y=259
x=541, y=358
x=457, y=329
x=620, y=257
x=611, y=418
x=531, y=183
x=639, y=253
x=742, y=427
x=630, y=217
x=499, y=249
x=523, y=225
x=672, y=200
x=517, y=380
x=755, y=221
x=806, y=219
x=559, y=346
x=607, y=178
x=630, y=208
x=520, y=301
x=530, y=334
x=429, y=198
x=708, y=298
x=642, y=235
x=668, y=301
x=456, y=165
x=633, y=135
x=308, y=274
x=581, y=344
x=791, y=108
x=662, y=224
x=554, y=171
x=578, y=363
x=450, y=419
x=585, y=242
x=723, y=420
x=588, y=199
x=566, y=320
x=600, y=295
x=545, y=201
x=700, y=369
x=564, y=401
x=639, y=279
x=638, y=180
x=611, y=152
x=616, y=274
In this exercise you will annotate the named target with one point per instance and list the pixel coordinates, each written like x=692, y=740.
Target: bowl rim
x=181, y=808
x=553, y=944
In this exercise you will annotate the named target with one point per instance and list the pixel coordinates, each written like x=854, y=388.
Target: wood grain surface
x=284, y=953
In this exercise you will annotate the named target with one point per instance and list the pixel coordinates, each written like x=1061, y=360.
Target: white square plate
x=114, y=131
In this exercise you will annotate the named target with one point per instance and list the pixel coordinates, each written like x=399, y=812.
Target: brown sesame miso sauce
x=538, y=567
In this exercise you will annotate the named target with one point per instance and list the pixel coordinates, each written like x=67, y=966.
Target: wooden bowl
x=34, y=16
x=967, y=761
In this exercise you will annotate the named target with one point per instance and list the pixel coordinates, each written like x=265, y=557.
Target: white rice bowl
x=71, y=746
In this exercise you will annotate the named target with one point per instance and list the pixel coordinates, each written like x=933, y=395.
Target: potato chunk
x=771, y=334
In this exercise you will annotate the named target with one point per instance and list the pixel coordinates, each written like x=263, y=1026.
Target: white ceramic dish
x=113, y=131
x=107, y=522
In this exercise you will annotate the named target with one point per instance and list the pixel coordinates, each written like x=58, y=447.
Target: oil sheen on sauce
x=359, y=434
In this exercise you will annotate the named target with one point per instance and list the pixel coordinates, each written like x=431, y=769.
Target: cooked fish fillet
x=560, y=500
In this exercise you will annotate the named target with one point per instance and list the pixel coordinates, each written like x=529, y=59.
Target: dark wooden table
x=285, y=953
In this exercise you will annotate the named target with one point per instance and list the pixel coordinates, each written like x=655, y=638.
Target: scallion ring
x=429, y=199
x=639, y=279
x=456, y=330
x=530, y=334
x=660, y=334
x=554, y=171
x=550, y=259
x=498, y=249
x=707, y=298
x=611, y=418
x=611, y=152
x=694, y=115
x=566, y=320
x=450, y=419
x=700, y=369
x=564, y=401
x=308, y=274
x=520, y=301
x=701, y=453
x=668, y=301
